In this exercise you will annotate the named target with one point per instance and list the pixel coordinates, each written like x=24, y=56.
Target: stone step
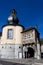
x=24, y=61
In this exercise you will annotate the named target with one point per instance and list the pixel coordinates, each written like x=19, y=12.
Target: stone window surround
x=8, y=35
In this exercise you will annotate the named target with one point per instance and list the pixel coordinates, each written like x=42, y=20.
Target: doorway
x=29, y=53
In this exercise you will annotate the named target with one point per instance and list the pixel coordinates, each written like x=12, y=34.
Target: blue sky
x=29, y=12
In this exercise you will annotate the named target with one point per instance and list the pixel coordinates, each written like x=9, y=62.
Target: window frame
x=8, y=36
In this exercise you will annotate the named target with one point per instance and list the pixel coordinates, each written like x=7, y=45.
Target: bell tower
x=12, y=19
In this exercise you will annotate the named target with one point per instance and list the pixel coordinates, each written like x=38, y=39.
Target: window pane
x=10, y=33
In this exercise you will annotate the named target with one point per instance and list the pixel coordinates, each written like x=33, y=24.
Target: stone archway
x=30, y=52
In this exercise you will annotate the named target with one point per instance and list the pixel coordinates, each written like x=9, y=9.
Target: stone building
x=17, y=41
x=41, y=40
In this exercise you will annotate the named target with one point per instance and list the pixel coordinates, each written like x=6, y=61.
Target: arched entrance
x=29, y=53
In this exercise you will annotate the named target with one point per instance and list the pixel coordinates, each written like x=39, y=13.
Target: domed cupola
x=12, y=19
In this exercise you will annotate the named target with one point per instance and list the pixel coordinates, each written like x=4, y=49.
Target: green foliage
x=41, y=40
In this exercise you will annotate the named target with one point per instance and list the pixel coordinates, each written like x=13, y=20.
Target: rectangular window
x=10, y=34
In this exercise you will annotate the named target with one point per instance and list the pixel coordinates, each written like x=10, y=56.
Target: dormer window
x=10, y=34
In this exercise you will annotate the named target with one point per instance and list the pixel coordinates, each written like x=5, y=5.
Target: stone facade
x=10, y=51
x=21, y=42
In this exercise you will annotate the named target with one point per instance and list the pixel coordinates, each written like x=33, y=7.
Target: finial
x=13, y=12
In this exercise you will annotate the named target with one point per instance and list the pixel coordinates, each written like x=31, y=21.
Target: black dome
x=13, y=19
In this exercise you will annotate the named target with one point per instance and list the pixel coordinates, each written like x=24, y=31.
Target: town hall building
x=17, y=42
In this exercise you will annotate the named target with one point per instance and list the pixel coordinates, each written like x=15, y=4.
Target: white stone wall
x=18, y=49
x=10, y=48
x=42, y=48
x=4, y=39
x=10, y=51
x=0, y=39
x=7, y=51
x=17, y=36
